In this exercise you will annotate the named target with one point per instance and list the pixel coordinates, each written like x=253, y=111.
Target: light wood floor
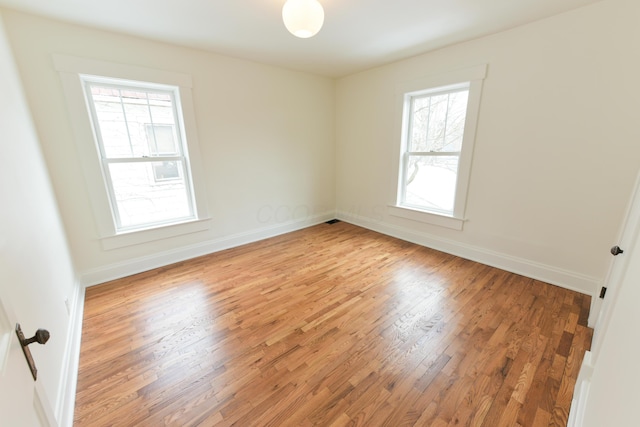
x=330, y=326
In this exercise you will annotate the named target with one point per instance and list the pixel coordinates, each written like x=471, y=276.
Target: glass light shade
x=303, y=18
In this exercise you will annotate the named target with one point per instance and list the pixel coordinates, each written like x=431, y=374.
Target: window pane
x=419, y=121
x=137, y=115
x=457, y=112
x=150, y=192
x=430, y=182
x=161, y=111
x=163, y=171
x=437, y=122
x=112, y=125
x=161, y=140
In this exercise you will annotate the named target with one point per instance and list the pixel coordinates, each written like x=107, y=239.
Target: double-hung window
x=434, y=141
x=136, y=136
x=140, y=142
x=438, y=130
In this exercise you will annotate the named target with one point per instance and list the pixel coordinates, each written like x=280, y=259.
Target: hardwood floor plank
x=333, y=325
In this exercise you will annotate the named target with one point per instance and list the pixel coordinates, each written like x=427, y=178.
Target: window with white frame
x=137, y=127
x=435, y=128
x=438, y=131
x=137, y=140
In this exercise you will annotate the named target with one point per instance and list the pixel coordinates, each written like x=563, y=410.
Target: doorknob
x=616, y=250
x=41, y=337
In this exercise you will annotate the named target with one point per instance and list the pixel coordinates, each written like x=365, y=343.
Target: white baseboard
x=65, y=405
x=546, y=273
x=581, y=392
x=130, y=267
x=549, y=274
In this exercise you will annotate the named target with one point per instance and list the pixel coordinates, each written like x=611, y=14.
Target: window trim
x=71, y=69
x=473, y=77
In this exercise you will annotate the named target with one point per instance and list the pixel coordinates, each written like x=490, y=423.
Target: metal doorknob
x=41, y=337
x=616, y=250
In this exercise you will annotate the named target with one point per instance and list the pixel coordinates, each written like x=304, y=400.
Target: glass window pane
x=137, y=115
x=418, y=123
x=430, y=182
x=164, y=171
x=150, y=192
x=112, y=125
x=161, y=140
x=161, y=112
x=437, y=122
x=457, y=113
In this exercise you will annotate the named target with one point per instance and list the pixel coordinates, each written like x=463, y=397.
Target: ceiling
x=357, y=34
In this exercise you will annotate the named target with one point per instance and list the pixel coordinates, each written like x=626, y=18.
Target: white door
x=609, y=374
x=602, y=308
x=36, y=270
x=23, y=403
x=607, y=387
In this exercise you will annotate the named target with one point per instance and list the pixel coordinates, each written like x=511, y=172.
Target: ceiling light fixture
x=303, y=18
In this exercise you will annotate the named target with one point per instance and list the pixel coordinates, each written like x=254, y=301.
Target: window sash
x=116, y=207
x=172, y=92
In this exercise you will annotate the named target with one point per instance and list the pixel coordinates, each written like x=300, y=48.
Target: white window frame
x=468, y=77
x=72, y=70
x=179, y=155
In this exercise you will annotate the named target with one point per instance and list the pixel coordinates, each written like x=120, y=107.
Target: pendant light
x=303, y=18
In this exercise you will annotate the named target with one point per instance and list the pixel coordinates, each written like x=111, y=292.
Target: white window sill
x=426, y=217
x=149, y=235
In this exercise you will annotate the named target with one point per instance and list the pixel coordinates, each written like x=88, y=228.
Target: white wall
x=36, y=271
x=266, y=139
x=556, y=151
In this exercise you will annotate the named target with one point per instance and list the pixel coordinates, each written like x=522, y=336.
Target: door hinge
x=603, y=292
